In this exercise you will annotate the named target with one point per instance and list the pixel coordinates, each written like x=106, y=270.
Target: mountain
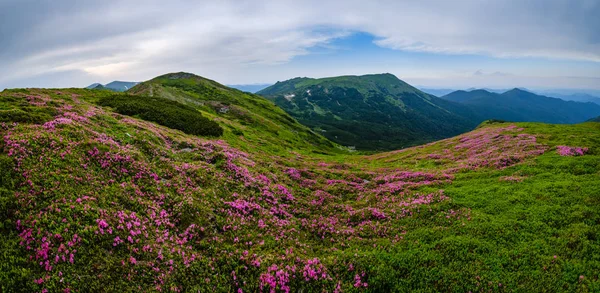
x=435, y=91
x=101, y=191
x=370, y=112
x=492, y=90
x=597, y=119
x=521, y=105
x=251, y=88
x=117, y=86
x=120, y=86
x=240, y=113
x=94, y=85
x=577, y=97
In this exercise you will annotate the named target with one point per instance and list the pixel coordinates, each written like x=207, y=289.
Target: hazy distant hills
x=521, y=105
x=118, y=86
x=370, y=112
x=597, y=119
x=577, y=95
x=251, y=88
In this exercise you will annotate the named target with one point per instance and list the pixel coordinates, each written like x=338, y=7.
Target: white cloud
x=136, y=40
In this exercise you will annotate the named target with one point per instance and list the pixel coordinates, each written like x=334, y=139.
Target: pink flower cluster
x=314, y=270
x=51, y=125
x=277, y=278
x=294, y=173
x=567, y=151
x=498, y=147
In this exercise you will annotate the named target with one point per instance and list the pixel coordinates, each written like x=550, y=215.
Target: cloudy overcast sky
x=433, y=43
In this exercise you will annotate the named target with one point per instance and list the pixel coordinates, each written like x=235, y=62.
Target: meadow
x=94, y=201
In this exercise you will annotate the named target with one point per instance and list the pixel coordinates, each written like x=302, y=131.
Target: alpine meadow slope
x=244, y=116
x=98, y=193
x=370, y=112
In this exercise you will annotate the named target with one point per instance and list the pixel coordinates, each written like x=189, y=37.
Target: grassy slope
x=309, y=221
x=250, y=118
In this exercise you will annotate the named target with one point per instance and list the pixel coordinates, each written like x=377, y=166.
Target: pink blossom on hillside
x=567, y=151
x=51, y=125
x=294, y=173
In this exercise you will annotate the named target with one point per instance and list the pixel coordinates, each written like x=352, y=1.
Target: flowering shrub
x=164, y=112
x=567, y=151
x=491, y=147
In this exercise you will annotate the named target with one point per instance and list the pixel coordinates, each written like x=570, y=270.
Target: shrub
x=17, y=109
x=164, y=112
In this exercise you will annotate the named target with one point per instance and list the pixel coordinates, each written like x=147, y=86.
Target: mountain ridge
x=522, y=105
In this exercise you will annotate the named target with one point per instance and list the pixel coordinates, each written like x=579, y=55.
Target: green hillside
x=245, y=117
x=96, y=201
x=370, y=112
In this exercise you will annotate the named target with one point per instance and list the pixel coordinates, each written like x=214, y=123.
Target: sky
x=534, y=44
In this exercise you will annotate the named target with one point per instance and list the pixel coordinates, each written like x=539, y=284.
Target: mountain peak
x=117, y=86
x=519, y=90
x=480, y=91
x=386, y=74
x=93, y=85
x=179, y=75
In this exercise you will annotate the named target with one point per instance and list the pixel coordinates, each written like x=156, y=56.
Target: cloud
x=138, y=39
x=481, y=73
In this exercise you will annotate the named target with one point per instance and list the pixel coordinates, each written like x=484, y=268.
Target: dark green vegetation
x=164, y=112
x=95, y=201
x=520, y=105
x=370, y=112
x=18, y=109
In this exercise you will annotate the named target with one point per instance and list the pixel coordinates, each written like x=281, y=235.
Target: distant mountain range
x=576, y=95
x=521, y=105
x=118, y=86
x=251, y=88
x=370, y=112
